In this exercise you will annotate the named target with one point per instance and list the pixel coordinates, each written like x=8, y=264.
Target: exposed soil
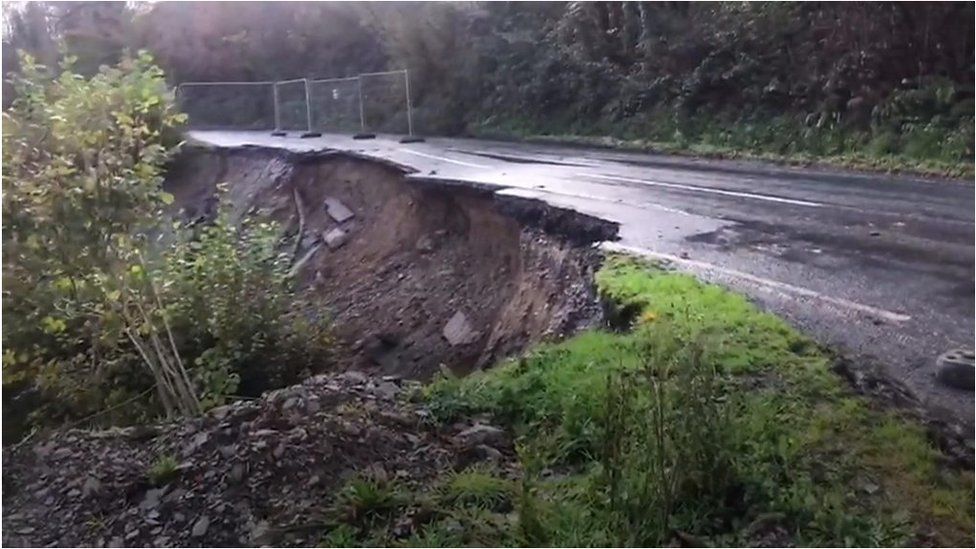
x=416, y=254
x=429, y=276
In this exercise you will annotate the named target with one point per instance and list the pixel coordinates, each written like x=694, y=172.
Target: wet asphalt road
x=880, y=267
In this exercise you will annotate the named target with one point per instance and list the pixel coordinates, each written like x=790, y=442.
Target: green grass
x=477, y=487
x=163, y=470
x=790, y=440
x=706, y=422
x=929, y=151
x=366, y=498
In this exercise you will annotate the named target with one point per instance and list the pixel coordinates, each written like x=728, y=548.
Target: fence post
x=308, y=113
x=362, y=108
x=308, y=107
x=406, y=82
x=277, y=112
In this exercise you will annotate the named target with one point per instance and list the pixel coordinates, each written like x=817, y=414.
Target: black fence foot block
x=311, y=134
x=364, y=136
x=412, y=139
x=279, y=133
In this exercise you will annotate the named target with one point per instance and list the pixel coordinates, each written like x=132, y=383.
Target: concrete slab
x=337, y=210
x=335, y=238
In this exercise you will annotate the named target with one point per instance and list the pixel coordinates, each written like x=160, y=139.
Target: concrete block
x=335, y=238
x=337, y=210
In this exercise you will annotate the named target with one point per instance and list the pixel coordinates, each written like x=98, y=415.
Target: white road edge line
x=769, y=198
x=782, y=286
x=442, y=159
x=535, y=191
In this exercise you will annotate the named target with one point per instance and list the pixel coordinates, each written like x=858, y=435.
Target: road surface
x=877, y=266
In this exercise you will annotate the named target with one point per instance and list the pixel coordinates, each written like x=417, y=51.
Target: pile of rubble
x=244, y=474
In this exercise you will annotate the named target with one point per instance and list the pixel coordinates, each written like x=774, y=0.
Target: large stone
x=481, y=434
x=337, y=210
x=200, y=527
x=956, y=369
x=335, y=238
x=458, y=331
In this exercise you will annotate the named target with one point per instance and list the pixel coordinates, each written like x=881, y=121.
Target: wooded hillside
x=825, y=79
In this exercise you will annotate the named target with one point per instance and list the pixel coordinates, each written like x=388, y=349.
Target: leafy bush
x=228, y=293
x=106, y=301
x=82, y=170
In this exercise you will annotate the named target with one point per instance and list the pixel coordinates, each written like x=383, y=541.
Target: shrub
x=112, y=310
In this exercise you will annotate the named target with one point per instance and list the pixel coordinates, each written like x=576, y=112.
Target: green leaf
x=167, y=198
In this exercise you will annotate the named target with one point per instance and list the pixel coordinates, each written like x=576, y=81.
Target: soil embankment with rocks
x=419, y=277
x=252, y=473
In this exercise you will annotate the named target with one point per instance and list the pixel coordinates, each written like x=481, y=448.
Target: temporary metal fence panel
x=336, y=104
x=370, y=102
x=292, y=105
x=228, y=105
x=386, y=102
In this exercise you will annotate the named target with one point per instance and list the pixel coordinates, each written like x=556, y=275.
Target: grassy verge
x=857, y=152
x=707, y=423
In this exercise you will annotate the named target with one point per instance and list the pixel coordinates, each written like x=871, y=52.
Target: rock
x=312, y=406
x=425, y=244
x=477, y=454
x=139, y=432
x=956, y=369
x=221, y=412
x=353, y=376
x=763, y=522
x=196, y=442
x=151, y=501
x=236, y=472
x=482, y=434
x=458, y=331
x=91, y=487
x=335, y=238
x=261, y=533
x=200, y=527
x=337, y=210
x=387, y=389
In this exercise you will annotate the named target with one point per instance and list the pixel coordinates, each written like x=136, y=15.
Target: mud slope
x=423, y=275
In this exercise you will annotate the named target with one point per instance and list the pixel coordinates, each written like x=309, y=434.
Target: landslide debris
x=418, y=276
x=257, y=472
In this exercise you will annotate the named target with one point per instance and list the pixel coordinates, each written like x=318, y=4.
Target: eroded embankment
x=416, y=275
